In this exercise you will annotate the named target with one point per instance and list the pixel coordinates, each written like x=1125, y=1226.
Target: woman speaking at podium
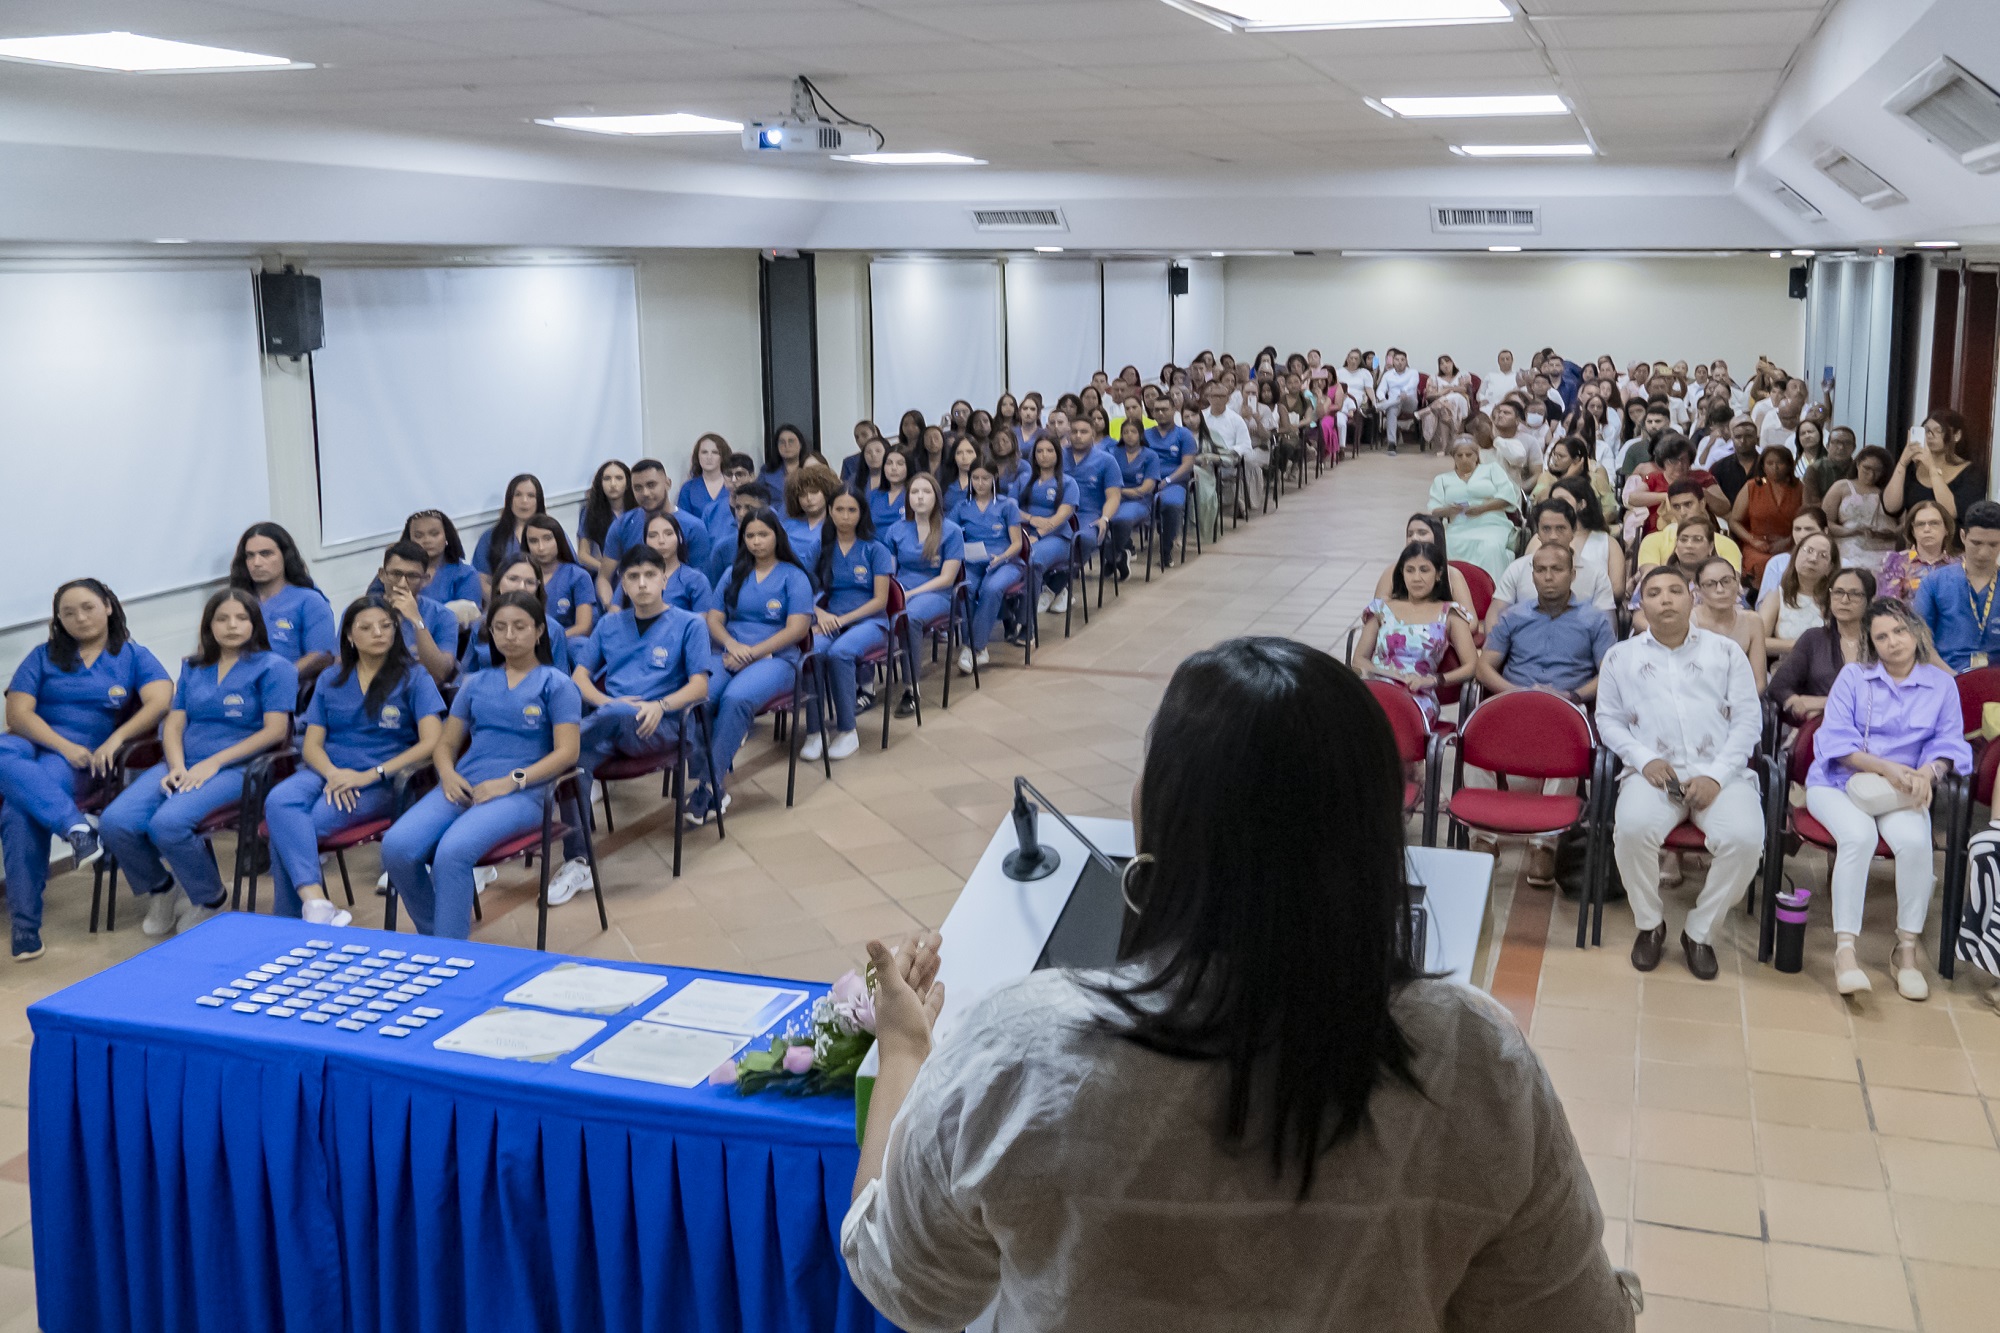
x=1264, y=1118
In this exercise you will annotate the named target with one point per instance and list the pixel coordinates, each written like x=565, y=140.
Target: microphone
x=1033, y=859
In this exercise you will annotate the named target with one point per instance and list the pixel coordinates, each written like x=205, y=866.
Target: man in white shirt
x=1497, y=384
x=1781, y=425
x=1555, y=525
x=1678, y=705
x=1396, y=395
x=1520, y=453
x=1231, y=433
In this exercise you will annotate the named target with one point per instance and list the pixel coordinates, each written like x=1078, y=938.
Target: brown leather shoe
x=1647, y=947
x=1541, y=866
x=1700, y=958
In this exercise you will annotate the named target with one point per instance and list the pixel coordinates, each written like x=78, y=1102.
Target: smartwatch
x=520, y=776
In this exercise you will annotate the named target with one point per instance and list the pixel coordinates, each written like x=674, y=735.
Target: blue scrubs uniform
x=1049, y=554
x=721, y=533
x=1134, y=472
x=686, y=587
x=457, y=582
x=1172, y=448
x=569, y=590
x=152, y=832
x=1094, y=474
x=805, y=538
x=299, y=621
x=696, y=499
x=774, y=479
x=482, y=551
x=922, y=611
x=762, y=608
x=431, y=851
x=885, y=509
x=1013, y=486
x=985, y=533
x=297, y=811
x=477, y=654
x=439, y=620
x=38, y=788
x=850, y=584
x=629, y=530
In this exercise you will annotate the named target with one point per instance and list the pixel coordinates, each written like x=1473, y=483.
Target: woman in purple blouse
x=1892, y=728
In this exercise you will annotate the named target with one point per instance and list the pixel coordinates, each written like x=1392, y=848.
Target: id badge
x=1978, y=661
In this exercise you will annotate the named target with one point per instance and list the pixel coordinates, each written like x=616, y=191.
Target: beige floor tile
x=1688, y=1138
x=1943, y=1170
x=1700, y=1004
x=1860, y=1288
x=1926, y=1068
x=1705, y=1090
x=1803, y=1054
x=1565, y=1028
x=1908, y=1114
x=1812, y=1102
x=1949, y=1231
x=1590, y=1077
x=1681, y=1196
x=1956, y=1300
x=1668, y=1314
x=1830, y=1216
x=1820, y=1156
x=1679, y=1041
x=836, y=895
x=1721, y=1270
x=1985, y=1071
x=1814, y=1010
x=874, y=921
x=1798, y=1323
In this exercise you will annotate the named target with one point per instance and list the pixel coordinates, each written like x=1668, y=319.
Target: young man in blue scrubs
x=1957, y=602
x=652, y=493
x=72, y=703
x=1174, y=446
x=1099, y=486
x=653, y=660
x=430, y=630
x=297, y=617
x=745, y=499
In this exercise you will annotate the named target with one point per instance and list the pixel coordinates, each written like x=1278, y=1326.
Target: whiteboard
x=131, y=428
x=936, y=329
x=438, y=384
x=1054, y=338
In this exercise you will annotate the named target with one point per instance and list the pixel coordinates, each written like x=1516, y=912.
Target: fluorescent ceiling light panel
x=1777, y=254
x=1533, y=104
x=672, y=122
x=1311, y=15
x=1048, y=249
x=1524, y=150
x=130, y=53
x=912, y=159
x=1503, y=249
x=1803, y=254
x=1935, y=245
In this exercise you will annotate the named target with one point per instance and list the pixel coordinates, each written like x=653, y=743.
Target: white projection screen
x=438, y=384
x=937, y=335
x=131, y=428
x=1138, y=315
x=1054, y=325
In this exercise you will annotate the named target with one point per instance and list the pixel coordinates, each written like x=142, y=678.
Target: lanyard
x=1986, y=612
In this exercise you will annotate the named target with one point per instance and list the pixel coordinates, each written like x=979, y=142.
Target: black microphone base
x=1023, y=865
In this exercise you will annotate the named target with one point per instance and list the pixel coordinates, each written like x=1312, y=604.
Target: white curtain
x=131, y=429
x=1198, y=315
x=1055, y=334
x=937, y=335
x=1138, y=315
x=438, y=384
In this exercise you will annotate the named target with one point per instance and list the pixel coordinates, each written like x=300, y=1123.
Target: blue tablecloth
x=201, y=1169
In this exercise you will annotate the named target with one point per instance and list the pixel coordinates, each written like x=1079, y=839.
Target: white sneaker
x=965, y=661
x=322, y=912
x=483, y=876
x=1042, y=603
x=160, y=912
x=1061, y=603
x=572, y=879
x=844, y=744
x=814, y=747
x=188, y=914
x=985, y=656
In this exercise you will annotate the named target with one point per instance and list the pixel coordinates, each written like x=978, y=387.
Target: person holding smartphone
x=1932, y=468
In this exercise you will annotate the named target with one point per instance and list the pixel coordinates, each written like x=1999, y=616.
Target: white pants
x=1392, y=414
x=1908, y=833
x=1734, y=825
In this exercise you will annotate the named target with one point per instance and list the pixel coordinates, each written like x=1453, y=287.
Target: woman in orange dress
x=1765, y=508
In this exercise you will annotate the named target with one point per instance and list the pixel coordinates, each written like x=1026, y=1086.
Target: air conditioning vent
x=1955, y=111
x=1019, y=219
x=1797, y=202
x=1449, y=217
x=1852, y=176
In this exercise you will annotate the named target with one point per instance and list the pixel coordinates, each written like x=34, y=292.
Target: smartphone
x=1675, y=790
x=1916, y=435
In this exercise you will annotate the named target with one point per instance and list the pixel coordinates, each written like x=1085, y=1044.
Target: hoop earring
x=1125, y=881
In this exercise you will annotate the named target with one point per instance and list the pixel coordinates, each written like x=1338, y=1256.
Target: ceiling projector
x=807, y=129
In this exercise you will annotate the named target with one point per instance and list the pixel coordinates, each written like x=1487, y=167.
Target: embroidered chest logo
x=232, y=700
x=659, y=657
x=283, y=624
x=532, y=712
x=861, y=571
x=116, y=692
x=774, y=606
x=391, y=715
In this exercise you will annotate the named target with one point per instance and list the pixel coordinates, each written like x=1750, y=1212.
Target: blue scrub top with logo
x=648, y=665
x=299, y=621
x=988, y=527
x=478, y=654
x=220, y=713
x=805, y=539
x=439, y=620
x=513, y=728
x=851, y=574
x=1136, y=472
x=569, y=590
x=907, y=544
x=457, y=582
x=629, y=530
x=356, y=740
x=886, y=510
x=1043, y=498
x=763, y=606
x=1094, y=476
x=1171, y=447
x=694, y=498
x=85, y=706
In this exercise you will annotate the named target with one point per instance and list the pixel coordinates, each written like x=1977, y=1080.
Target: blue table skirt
x=193, y=1170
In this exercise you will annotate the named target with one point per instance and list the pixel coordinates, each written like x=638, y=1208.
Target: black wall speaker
x=293, y=322
x=1177, y=280
x=1799, y=278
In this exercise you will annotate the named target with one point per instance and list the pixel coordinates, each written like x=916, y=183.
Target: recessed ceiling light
x=1048, y=249
x=1524, y=150
x=1935, y=245
x=672, y=122
x=912, y=159
x=1777, y=254
x=130, y=53
x=1215, y=254
x=170, y=240
x=1307, y=15
x=1533, y=104
x=1503, y=249
x=1803, y=254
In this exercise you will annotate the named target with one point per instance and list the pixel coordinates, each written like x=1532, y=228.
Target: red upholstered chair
x=409, y=785
x=133, y=758
x=945, y=633
x=670, y=764
x=891, y=657
x=1478, y=586
x=1417, y=748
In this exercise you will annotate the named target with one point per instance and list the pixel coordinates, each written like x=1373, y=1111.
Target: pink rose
x=798, y=1059
x=852, y=1004
x=724, y=1075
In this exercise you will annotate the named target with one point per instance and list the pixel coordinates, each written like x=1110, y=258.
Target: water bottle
x=1791, y=929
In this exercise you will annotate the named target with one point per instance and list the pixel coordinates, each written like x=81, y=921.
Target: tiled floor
x=1767, y=1157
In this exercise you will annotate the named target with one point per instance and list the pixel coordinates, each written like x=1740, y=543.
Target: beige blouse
x=1076, y=1178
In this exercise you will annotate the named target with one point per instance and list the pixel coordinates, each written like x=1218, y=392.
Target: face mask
x=1534, y=418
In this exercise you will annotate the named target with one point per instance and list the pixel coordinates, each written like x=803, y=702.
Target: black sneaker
x=864, y=699
x=84, y=845
x=907, y=706
x=27, y=944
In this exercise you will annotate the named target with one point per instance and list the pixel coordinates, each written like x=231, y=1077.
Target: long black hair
x=565, y=554
x=864, y=531
x=210, y=651
x=1275, y=956
x=394, y=667
x=521, y=601
x=296, y=572
x=739, y=569
x=1589, y=509
x=454, y=546
x=597, y=511
x=505, y=526
x=949, y=474
x=64, y=652
x=1440, y=590
x=773, y=460
x=1436, y=527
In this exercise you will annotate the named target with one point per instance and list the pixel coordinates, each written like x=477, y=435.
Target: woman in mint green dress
x=1473, y=499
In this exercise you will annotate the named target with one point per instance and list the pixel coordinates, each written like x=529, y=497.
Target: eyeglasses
x=1846, y=592
x=1717, y=585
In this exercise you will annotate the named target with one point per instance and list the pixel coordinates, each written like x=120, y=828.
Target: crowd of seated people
x=674, y=613
x=1682, y=554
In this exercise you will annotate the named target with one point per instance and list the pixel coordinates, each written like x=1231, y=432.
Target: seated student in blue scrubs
x=956, y=474
x=72, y=702
x=686, y=587
x=1046, y=507
x=234, y=701
x=707, y=487
x=854, y=570
x=374, y=716
x=744, y=500
x=807, y=494
x=297, y=616
x=929, y=548
x=741, y=470
x=448, y=578
x=1010, y=462
x=931, y=452
x=636, y=672
x=652, y=494
x=885, y=504
x=1099, y=484
x=430, y=630
x=502, y=541
x=760, y=614
x=522, y=718
x=567, y=586
x=867, y=478
x=851, y=465
x=1138, y=478
x=517, y=575
x=990, y=525
x=610, y=495
x=786, y=453
x=1175, y=447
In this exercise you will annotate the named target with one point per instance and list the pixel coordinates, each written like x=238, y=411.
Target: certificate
x=727, y=1006
x=975, y=551
x=520, y=1034
x=655, y=1053
x=583, y=989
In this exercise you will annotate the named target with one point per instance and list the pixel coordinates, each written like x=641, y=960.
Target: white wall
x=1199, y=317
x=846, y=374
x=701, y=353
x=1671, y=308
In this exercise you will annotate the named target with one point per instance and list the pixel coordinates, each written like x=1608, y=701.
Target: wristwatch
x=381, y=773
x=520, y=776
